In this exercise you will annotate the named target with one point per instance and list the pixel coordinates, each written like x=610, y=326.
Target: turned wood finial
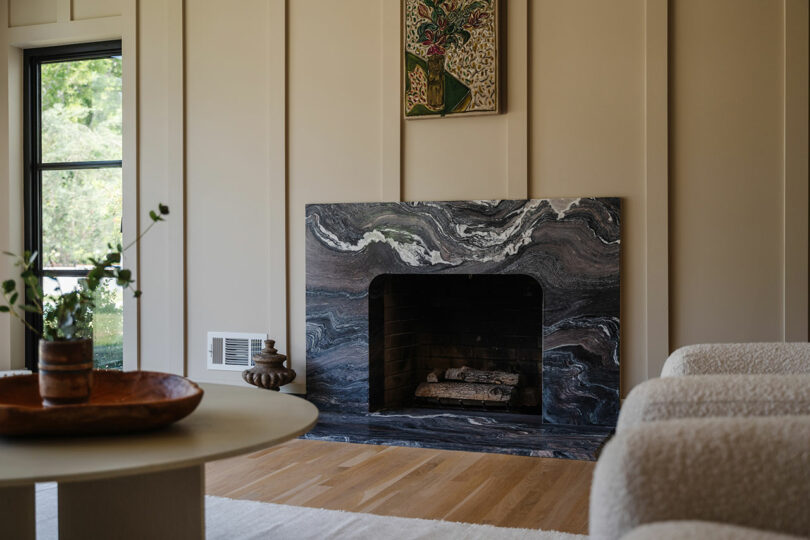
x=269, y=370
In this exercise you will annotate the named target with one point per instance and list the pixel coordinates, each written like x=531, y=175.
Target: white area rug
x=230, y=519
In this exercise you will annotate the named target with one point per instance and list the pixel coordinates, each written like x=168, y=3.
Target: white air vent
x=233, y=351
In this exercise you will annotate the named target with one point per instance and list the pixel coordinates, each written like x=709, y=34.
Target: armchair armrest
x=739, y=358
x=715, y=395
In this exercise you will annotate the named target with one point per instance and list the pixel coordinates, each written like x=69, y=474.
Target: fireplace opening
x=455, y=341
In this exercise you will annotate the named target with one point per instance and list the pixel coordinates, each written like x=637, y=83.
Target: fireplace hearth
x=476, y=325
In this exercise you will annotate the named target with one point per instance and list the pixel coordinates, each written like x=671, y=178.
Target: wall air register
x=233, y=351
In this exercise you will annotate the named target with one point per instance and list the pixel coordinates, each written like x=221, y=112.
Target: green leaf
x=9, y=285
x=163, y=209
x=32, y=257
x=13, y=299
x=136, y=294
x=153, y=215
x=4, y=309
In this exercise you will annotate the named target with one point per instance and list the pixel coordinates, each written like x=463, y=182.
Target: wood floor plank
x=507, y=491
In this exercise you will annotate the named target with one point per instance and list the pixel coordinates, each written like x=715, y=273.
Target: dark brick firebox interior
x=418, y=323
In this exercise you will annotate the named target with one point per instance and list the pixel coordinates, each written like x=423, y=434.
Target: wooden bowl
x=120, y=402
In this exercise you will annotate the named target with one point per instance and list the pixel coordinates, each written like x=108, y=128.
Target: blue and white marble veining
x=570, y=246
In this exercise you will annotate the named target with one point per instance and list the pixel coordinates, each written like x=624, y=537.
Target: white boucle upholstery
x=751, y=472
x=740, y=358
x=701, y=530
x=715, y=395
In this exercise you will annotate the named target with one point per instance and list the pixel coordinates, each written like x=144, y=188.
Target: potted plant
x=449, y=23
x=66, y=358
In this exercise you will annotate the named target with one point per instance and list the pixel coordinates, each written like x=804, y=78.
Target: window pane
x=81, y=214
x=106, y=321
x=81, y=110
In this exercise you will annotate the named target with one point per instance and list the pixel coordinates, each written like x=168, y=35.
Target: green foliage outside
x=81, y=209
x=81, y=121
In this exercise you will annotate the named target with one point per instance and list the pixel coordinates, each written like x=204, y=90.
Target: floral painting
x=451, y=57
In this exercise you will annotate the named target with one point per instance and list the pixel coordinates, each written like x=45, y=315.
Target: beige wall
x=302, y=106
x=727, y=174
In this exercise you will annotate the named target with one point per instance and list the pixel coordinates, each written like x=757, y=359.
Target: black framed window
x=73, y=179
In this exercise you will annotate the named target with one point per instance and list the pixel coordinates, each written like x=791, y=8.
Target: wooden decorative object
x=120, y=402
x=477, y=392
x=269, y=371
x=65, y=371
x=468, y=374
x=436, y=375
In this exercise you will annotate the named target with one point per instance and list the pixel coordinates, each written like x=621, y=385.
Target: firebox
x=455, y=341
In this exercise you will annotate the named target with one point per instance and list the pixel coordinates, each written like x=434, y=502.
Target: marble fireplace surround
x=570, y=246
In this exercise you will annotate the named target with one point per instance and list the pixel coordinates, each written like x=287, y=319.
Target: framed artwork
x=450, y=57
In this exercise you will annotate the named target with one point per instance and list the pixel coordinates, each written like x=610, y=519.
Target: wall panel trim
x=391, y=91
x=277, y=202
x=656, y=173
x=796, y=197
x=517, y=96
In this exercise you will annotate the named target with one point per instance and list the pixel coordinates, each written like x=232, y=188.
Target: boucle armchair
x=747, y=472
x=701, y=530
x=739, y=358
x=715, y=395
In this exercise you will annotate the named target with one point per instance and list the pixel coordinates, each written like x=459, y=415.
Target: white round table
x=148, y=485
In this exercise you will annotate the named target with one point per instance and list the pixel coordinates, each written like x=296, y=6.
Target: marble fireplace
x=397, y=291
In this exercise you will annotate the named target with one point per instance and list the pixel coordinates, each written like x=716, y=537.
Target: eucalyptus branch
x=70, y=309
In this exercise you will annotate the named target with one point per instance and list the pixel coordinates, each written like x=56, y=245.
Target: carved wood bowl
x=120, y=402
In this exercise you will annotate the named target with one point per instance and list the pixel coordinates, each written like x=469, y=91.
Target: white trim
x=390, y=113
x=517, y=102
x=795, y=228
x=656, y=172
x=63, y=33
x=176, y=173
x=129, y=73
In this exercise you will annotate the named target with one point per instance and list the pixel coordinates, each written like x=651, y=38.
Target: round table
x=148, y=485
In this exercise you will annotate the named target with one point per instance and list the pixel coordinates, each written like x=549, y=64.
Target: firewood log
x=492, y=393
x=468, y=374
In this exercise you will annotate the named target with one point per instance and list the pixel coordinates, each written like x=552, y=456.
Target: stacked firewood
x=468, y=386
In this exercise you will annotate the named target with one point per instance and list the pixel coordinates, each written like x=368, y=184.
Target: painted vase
x=435, y=82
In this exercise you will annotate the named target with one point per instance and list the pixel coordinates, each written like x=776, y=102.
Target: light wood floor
x=508, y=491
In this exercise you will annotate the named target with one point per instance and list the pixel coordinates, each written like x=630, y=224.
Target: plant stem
x=139, y=237
x=26, y=323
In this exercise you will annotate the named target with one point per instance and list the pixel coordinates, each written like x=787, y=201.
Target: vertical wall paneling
x=277, y=247
x=391, y=90
x=176, y=301
x=6, y=322
x=726, y=171
x=656, y=172
x=517, y=96
x=796, y=171
x=161, y=179
x=129, y=75
x=63, y=9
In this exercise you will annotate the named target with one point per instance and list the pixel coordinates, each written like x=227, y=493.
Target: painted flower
x=435, y=50
x=423, y=11
x=476, y=19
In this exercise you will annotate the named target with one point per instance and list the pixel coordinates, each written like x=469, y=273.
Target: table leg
x=161, y=505
x=17, y=518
